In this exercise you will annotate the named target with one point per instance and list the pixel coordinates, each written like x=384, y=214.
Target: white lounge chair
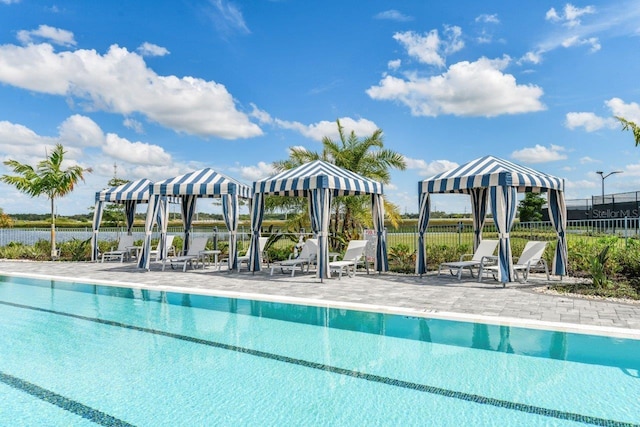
x=355, y=251
x=306, y=257
x=198, y=244
x=169, y=249
x=531, y=257
x=122, y=251
x=486, y=248
x=246, y=256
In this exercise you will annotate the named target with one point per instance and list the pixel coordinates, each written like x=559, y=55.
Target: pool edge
x=608, y=331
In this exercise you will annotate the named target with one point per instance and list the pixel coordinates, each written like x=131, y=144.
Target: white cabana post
x=203, y=183
x=130, y=195
x=496, y=182
x=319, y=181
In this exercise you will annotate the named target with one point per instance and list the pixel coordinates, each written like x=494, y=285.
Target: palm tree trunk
x=54, y=252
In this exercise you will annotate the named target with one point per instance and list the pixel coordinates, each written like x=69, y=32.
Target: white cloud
x=47, y=33
x=577, y=41
x=317, y=131
x=429, y=48
x=254, y=173
x=262, y=116
x=467, y=89
x=583, y=183
x=430, y=168
x=589, y=121
x=425, y=47
x=393, y=15
x=586, y=160
x=570, y=16
x=133, y=124
x=539, y=154
x=80, y=131
x=394, y=64
x=120, y=82
x=150, y=49
x=630, y=111
x=531, y=57
x=592, y=122
x=9, y=1
x=227, y=17
x=140, y=153
x=632, y=170
x=491, y=19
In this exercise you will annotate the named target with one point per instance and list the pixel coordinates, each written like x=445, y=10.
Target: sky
x=157, y=89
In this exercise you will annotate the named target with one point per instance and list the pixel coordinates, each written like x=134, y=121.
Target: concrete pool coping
x=430, y=296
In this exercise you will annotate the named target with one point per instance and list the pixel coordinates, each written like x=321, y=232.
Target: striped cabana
x=318, y=181
x=188, y=188
x=129, y=194
x=495, y=182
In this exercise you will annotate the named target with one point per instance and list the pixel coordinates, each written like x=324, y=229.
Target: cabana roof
x=131, y=191
x=202, y=183
x=317, y=174
x=490, y=171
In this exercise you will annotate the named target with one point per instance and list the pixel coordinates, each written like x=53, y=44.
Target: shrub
x=402, y=259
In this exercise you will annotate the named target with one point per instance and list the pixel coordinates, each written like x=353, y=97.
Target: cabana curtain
x=189, y=187
x=319, y=181
x=128, y=194
x=501, y=180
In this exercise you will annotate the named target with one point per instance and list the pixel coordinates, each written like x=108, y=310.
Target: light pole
x=604, y=176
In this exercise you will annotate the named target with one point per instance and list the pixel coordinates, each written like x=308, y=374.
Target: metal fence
x=449, y=235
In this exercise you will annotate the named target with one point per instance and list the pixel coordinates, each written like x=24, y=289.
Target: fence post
x=215, y=238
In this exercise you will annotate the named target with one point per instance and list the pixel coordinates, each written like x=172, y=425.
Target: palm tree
x=627, y=125
x=364, y=156
x=46, y=178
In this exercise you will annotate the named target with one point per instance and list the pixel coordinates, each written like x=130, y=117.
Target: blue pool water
x=78, y=354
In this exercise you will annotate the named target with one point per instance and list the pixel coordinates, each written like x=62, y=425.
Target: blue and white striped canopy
x=490, y=171
x=136, y=191
x=317, y=174
x=202, y=183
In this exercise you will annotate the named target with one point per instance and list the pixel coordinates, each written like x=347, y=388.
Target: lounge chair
x=198, y=244
x=485, y=249
x=169, y=249
x=306, y=257
x=531, y=257
x=246, y=256
x=355, y=251
x=125, y=243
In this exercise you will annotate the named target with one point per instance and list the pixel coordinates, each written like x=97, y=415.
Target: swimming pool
x=81, y=354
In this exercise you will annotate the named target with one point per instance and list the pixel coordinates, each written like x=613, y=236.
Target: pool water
x=79, y=354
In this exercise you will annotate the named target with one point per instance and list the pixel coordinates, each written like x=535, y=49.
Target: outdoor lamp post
x=604, y=176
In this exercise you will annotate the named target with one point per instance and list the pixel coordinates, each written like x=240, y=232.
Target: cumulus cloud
x=150, y=49
x=539, y=154
x=394, y=64
x=586, y=160
x=589, y=121
x=479, y=88
x=393, y=15
x=81, y=131
x=570, y=15
x=430, y=168
x=577, y=41
x=254, y=173
x=592, y=122
x=47, y=33
x=317, y=131
x=140, y=153
x=630, y=111
x=120, y=82
x=429, y=48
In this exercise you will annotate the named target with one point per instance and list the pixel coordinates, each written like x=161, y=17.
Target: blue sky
x=166, y=87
